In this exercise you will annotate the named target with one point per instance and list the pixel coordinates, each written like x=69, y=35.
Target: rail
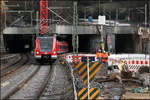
x=18, y=87
x=15, y=66
x=41, y=90
x=73, y=80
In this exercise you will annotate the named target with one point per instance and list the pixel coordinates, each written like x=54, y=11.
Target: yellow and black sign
x=94, y=93
x=93, y=69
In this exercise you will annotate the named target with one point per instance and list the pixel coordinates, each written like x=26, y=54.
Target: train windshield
x=46, y=43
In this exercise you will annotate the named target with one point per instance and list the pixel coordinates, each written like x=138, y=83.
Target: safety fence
x=140, y=59
x=133, y=61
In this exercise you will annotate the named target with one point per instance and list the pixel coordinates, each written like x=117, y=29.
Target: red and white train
x=49, y=47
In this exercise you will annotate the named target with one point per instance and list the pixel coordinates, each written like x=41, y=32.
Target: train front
x=45, y=47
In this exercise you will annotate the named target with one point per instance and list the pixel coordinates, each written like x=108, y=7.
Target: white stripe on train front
x=54, y=56
x=37, y=56
x=62, y=51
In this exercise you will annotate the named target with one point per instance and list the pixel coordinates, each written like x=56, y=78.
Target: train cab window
x=46, y=43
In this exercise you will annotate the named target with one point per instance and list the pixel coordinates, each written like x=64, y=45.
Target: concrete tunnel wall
x=25, y=43
x=87, y=43
x=18, y=43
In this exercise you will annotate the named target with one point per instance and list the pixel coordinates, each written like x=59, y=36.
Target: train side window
x=64, y=47
x=59, y=46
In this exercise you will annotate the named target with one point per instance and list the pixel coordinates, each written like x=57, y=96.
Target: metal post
x=33, y=36
x=117, y=16
x=37, y=23
x=88, y=78
x=149, y=39
x=149, y=11
x=75, y=32
x=49, y=21
x=102, y=35
x=25, y=5
x=145, y=15
x=117, y=10
x=31, y=18
x=5, y=19
x=99, y=7
x=85, y=13
x=129, y=15
x=77, y=44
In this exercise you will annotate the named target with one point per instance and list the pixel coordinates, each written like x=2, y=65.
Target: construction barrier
x=93, y=92
x=76, y=58
x=81, y=57
x=134, y=61
x=131, y=59
x=135, y=64
x=94, y=67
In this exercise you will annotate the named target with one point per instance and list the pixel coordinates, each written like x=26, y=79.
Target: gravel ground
x=60, y=85
x=111, y=89
x=11, y=83
x=29, y=91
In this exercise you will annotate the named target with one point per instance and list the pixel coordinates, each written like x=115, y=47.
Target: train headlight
x=54, y=52
x=37, y=52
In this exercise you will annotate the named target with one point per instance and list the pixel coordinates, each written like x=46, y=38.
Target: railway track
x=18, y=64
x=41, y=82
x=7, y=65
x=58, y=85
x=45, y=84
x=6, y=57
x=8, y=60
x=31, y=89
x=19, y=86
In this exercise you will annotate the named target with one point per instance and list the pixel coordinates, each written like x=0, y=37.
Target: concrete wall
x=2, y=48
x=148, y=47
x=68, y=29
x=19, y=30
x=111, y=45
x=91, y=29
x=94, y=43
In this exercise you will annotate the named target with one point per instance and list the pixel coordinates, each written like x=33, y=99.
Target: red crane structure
x=43, y=17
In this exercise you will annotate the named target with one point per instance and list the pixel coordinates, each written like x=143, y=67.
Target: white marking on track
x=4, y=84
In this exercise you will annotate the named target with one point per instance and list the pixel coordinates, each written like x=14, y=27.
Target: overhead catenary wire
x=59, y=16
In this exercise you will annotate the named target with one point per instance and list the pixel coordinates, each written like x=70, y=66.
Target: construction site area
x=75, y=49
